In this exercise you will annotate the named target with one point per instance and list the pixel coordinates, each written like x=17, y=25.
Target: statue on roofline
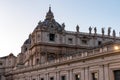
x=90, y=30
x=95, y=30
x=109, y=31
x=63, y=26
x=114, y=33
x=77, y=28
x=103, y=31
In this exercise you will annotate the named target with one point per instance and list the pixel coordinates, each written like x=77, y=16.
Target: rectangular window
x=99, y=43
x=51, y=78
x=95, y=76
x=117, y=75
x=63, y=77
x=51, y=56
x=77, y=77
x=0, y=64
x=38, y=37
x=0, y=77
x=70, y=40
x=51, y=37
x=42, y=79
x=84, y=42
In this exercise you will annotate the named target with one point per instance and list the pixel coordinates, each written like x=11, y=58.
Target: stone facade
x=52, y=53
x=7, y=64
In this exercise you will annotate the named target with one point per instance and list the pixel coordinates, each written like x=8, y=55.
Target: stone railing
x=78, y=56
x=86, y=54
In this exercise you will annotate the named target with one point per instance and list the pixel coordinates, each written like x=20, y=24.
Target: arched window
x=37, y=61
x=51, y=56
x=38, y=37
x=25, y=49
x=43, y=58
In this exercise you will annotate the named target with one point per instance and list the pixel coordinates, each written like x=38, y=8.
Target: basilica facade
x=52, y=53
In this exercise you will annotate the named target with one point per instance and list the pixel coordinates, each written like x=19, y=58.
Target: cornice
x=65, y=61
x=60, y=45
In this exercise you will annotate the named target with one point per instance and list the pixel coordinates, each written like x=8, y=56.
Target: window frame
x=1, y=63
x=93, y=74
x=84, y=42
x=70, y=40
x=64, y=77
x=77, y=74
x=51, y=37
x=116, y=74
x=99, y=43
x=51, y=78
x=42, y=78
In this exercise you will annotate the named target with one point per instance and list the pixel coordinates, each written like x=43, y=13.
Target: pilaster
x=71, y=74
x=58, y=75
x=47, y=76
x=86, y=73
x=106, y=71
x=101, y=72
x=83, y=73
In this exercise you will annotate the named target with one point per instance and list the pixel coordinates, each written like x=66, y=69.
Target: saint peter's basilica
x=53, y=53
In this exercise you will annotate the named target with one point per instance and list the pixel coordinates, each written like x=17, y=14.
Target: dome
x=28, y=41
x=11, y=54
x=49, y=23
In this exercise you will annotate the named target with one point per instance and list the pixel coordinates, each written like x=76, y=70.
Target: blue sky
x=18, y=18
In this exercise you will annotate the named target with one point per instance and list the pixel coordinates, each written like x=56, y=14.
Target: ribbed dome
x=49, y=23
x=28, y=41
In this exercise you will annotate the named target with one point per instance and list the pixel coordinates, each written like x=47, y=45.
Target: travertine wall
x=103, y=65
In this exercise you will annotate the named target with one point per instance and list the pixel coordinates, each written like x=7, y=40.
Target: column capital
x=106, y=65
x=101, y=65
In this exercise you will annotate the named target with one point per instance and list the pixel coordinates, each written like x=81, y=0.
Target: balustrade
x=78, y=55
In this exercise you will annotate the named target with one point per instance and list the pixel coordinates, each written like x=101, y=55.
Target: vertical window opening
x=77, y=77
x=51, y=37
x=95, y=76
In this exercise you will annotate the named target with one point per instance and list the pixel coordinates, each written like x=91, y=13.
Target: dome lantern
x=49, y=15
